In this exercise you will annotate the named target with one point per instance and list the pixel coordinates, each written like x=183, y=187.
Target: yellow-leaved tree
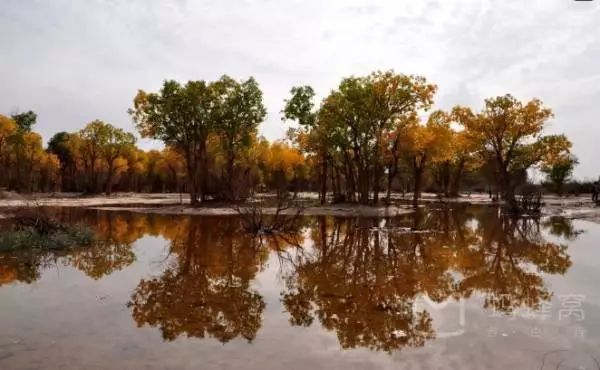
x=509, y=133
x=427, y=144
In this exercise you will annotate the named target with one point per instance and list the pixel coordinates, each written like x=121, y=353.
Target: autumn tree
x=284, y=165
x=394, y=149
x=240, y=110
x=8, y=128
x=352, y=125
x=366, y=136
x=510, y=133
x=427, y=144
x=459, y=158
x=23, y=162
x=105, y=144
x=369, y=107
x=182, y=117
x=35, y=169
x=462, y=159
x=172, y=166
x=301, y=109
x=151, y=173
x=60, y=145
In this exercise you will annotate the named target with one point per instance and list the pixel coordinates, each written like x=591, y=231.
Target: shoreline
x=573, y=207
x=329, y=210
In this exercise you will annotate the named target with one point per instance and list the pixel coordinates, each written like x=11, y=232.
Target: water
x=455, y=288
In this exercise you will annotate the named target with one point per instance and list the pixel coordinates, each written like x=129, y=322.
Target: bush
x=29, y=238
x=34, y=228
x=529, y=199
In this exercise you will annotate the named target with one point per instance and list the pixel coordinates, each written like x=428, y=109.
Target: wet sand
x=348, y=210
x=573, y=207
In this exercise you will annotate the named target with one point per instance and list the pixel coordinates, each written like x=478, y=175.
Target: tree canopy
x=370, y=135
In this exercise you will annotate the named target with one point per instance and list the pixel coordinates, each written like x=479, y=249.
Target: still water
x=442, y=289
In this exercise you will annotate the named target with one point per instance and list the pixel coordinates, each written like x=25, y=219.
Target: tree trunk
x=203, y=175
x=350, y=179
x=392, y=172
x=323, y=195
x=334, y=184
x=363, y=183
x=108, y=184
x=455, y=185
x=390, y=179
x=507, y=191
x=418, y=170
x=376, y=181
x=338, y=182
x=230, y=182
x=417, y=188
x=191, y=176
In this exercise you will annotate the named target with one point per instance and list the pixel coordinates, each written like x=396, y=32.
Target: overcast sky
x=76, y=61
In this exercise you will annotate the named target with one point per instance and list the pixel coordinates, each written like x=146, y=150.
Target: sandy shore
x=176, y=204
x=77, y=200
x=580, y=207
x=337, y=210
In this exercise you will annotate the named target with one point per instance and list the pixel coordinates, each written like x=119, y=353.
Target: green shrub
x=63, y=238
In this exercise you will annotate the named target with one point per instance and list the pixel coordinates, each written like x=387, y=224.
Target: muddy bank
x=179, y=204
x=337, y=210
x=580, y=207
x=78, y=200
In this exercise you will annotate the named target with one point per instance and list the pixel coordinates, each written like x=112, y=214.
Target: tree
x=49, y=172
x=394, y=99
x=429, y=143
x=172, y=166
x=25, y=120
x=509, y=133
x=394, y=148
x=36, y=169
x=182, y=117
x=8, y=128
x=560, y=171
x=368, y=131
x=106, y=143
x=351, y=128
x=460, y=158
x=23, y=162
x=463, y=159
x=59, y=145
x=370, y=107
x=284, y=165
x=240, y=111
x=135, y=176
x=301, y=108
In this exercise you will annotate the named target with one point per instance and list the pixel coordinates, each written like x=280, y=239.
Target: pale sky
x=76, y=61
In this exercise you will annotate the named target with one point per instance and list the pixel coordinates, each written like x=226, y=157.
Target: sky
x=75, y=61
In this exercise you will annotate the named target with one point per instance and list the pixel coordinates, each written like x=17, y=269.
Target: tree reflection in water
x=205, y=290
x=505, y=263
x=357, y=277
x=355, y=282
x=361, y=280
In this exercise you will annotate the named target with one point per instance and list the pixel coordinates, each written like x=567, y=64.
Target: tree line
x=368, y=137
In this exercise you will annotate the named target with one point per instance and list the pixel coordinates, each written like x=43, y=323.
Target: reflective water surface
x=443, y=288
